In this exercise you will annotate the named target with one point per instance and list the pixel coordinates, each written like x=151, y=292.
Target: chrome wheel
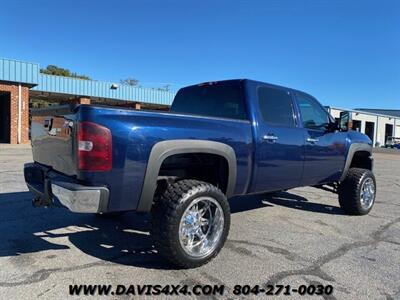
x=201, y=227
x=367, y=193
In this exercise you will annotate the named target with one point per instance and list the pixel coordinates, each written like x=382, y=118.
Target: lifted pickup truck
x=219, y=139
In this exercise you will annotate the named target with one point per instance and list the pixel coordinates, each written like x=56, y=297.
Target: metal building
x=21, y=82
x=378, y=124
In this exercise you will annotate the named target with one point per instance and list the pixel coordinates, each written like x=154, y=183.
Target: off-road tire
x=166, y=215
x=349, y=191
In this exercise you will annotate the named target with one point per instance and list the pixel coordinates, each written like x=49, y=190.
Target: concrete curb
x=14, y=146
x=385, y=150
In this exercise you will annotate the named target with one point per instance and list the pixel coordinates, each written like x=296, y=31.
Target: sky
x=345, y=53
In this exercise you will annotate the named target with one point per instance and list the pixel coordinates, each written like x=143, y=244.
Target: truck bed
x=134, y=133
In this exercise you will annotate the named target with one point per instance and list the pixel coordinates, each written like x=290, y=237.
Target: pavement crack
x=392, y=242
x=189, y=281
x=395, y=183
x=43, y=274
x=46, y=291
x=240, y=250
x=315, y=268
x=276, y=250
x=37, y=276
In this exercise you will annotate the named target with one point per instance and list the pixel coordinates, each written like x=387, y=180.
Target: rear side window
x=313, y=114
x=219, y=99
x=276, y=106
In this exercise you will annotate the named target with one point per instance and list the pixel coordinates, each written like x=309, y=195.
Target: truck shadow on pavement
x=286, y=199
x=123, y=240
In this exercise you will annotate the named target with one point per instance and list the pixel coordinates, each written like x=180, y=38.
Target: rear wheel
x=190, y=223
x=357, y=192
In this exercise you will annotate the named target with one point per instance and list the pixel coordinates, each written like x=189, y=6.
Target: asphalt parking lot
x=298, y=237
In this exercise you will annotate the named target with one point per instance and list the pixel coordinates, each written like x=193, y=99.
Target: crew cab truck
x=219, y=139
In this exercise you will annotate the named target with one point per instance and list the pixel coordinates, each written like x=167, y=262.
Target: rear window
x=220, y=99
x=276, y=106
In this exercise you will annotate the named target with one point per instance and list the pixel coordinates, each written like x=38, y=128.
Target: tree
x=130, y=81
x=54, y=70
x=164, y=88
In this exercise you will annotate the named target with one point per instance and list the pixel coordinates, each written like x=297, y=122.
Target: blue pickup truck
x=219, y=139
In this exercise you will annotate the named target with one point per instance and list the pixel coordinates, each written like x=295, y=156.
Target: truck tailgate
x=52, y=136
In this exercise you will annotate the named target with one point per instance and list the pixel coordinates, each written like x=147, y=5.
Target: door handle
x=311, y=140
x=270, y=137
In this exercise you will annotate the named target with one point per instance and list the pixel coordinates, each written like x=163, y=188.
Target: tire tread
x=349, y=191
x=164, y=216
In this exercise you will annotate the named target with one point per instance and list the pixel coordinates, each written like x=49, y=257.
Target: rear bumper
x=50, y=187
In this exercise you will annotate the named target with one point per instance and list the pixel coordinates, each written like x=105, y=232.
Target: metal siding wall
x=18, y=71
x=80, y=87
x=29, y=73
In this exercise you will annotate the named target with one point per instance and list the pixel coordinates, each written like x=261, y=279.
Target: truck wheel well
x=211, y=168
x=361, y=159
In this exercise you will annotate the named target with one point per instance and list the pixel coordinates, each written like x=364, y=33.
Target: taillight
x=94, y=147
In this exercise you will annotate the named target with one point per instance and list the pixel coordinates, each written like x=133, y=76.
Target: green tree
x=130, y=81
x=54, y=70
x=165, y=87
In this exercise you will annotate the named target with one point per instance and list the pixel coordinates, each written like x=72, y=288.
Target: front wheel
x=357, y=192
x=190, y=223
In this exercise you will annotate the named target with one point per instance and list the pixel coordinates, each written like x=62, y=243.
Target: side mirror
x=345, y=121
x=332, y=127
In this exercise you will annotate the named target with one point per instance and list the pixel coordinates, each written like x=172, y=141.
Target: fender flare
x=164, y=149
x=355, y=147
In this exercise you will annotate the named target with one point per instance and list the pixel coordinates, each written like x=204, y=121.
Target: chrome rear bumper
x=50, y=188
x=79, y=198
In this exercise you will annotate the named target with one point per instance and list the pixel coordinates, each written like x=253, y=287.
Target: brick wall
x=82, y=100
x=13, y=90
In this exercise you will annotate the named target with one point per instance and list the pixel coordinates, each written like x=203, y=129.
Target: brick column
x=82, y=100
x=13, y=89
